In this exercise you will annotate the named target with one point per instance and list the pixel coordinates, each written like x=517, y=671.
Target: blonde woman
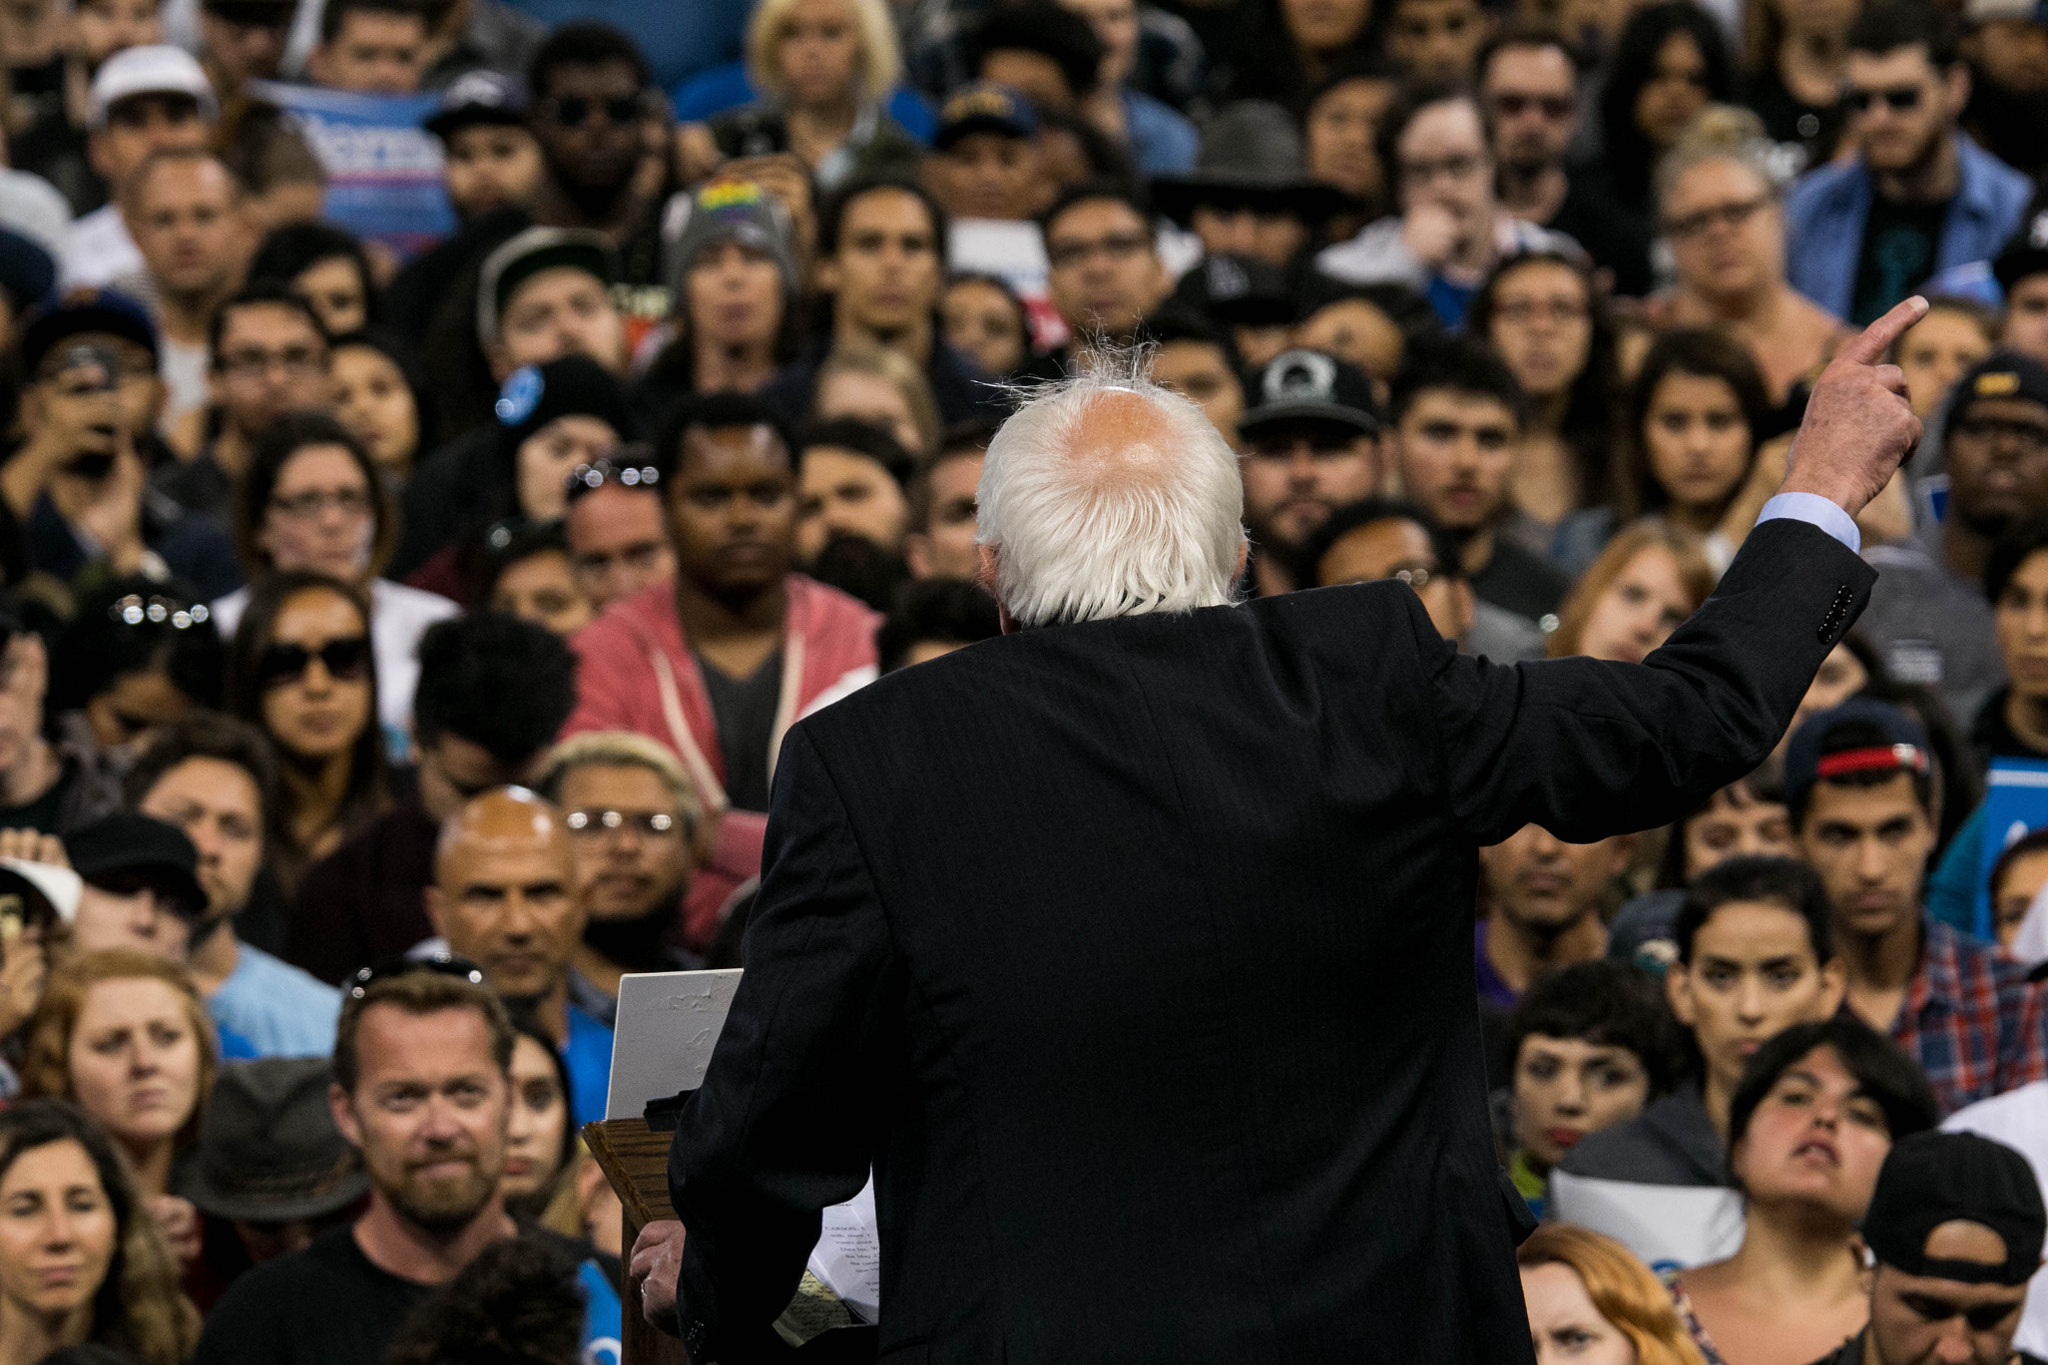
x=1645, y=583
x=824, y=68
x=882, y=388
x=1593, y=1303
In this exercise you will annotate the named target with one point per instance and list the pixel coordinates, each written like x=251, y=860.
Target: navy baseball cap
x=984, y=107
x=84, y=312
x=1897, y=743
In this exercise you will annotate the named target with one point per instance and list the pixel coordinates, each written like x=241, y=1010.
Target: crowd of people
x=397, y=642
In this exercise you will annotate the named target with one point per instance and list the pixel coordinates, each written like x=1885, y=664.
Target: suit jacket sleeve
x=786, y=1120
x=1589, y=749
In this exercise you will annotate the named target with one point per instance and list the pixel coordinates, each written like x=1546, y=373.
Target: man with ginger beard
x=635, y=835
x=505, y=896
x=422, y=1090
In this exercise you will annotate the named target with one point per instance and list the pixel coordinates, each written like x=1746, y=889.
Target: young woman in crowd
x=1592, y=1303
x=1586, y=1049
x=1954, y=335
x=1818, y=1107
x=80, y=1258
x=884, y=388
x=1721, y=205
x=137, y=655
x=377, y=398
x=1669, y=64
x=985, y=318
x=124, y=1035
x=324, y=265
x=1752, y=954
x=1545, y=315
x=527, y=574
x=302, y=669
x=1796, y=52
x=1745, y=819
x=824, y=68
x=1644, y=584
x=2016, y=880
x=312, y=501
x=540, y=1134
x=1690, y=458
x=1340, y=140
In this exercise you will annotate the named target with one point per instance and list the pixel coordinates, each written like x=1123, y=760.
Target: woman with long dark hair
x=1670, y=64
x=303, y=671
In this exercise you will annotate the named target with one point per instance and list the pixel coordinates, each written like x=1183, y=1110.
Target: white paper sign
x=668, y=1024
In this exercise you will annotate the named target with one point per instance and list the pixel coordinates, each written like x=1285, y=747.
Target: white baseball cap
x=158, y=70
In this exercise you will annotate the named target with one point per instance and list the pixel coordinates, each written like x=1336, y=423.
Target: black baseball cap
x=479, y=97
x=1933, y=1178
x=1303, y=385
x=985, y=107
x=2002, y=374
x=125, y=851
x=1899, y=744
x=88, y=312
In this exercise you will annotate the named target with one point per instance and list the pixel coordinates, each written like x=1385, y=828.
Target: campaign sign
x=383, y=169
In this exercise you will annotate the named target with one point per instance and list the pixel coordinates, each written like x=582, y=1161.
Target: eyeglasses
x=346, y=660
x=573, y=111
x=311, y=503
x=134, y=609
x=1551, y=310
x=255, y=362
x=595, y=824
x=1449, y=167
x=1119, y=246
x=586, y=478
x=2030, y=437
x=1902, y=99
x=440, y=964
x=1730, y=216
x=1514, y=104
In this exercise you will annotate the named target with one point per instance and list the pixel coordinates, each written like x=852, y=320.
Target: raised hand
x=1859, y=424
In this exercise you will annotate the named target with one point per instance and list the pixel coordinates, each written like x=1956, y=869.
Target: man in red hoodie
x=719, y=662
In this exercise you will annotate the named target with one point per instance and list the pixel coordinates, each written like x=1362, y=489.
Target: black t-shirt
x=46, y=812
x=1816, y=130
x=745, y=711
x=1898, y=253
x=1518, y=581
x=326, y=1305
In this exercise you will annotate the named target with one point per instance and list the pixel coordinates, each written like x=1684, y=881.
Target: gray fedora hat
x=1251, y=157
x=268, y=1148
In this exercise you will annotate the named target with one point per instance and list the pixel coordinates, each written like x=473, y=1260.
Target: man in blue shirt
x=1918, y=197
x=504, y=896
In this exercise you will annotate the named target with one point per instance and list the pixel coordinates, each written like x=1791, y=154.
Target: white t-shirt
x=182, y=366
x=398, y=617
x=97, y=248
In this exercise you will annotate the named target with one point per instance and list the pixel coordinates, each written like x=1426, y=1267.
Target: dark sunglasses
x=573, y=111
x=440, y=964
x=588, y=478
x=345, y=660
x=1902, y=99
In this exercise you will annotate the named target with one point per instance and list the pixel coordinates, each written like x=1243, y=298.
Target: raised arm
x=1589, y=749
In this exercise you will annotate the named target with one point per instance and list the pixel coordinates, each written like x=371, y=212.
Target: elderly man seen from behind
x=1063, y=935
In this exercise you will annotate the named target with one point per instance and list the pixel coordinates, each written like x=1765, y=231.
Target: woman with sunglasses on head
x=80, y=1258
x=1722, y=209
x=312, y=501
x=302, y=669
x=1817, y=1109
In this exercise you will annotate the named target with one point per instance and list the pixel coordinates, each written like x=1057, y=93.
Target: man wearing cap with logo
x=491, y=157
x=1955, y=1227
x=986, y=162
x=1860, y=789
x=1311, y=443
x=1928, y=615
x=144, y=99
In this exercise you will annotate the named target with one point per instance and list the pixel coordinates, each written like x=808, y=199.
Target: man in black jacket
x=1132, y=949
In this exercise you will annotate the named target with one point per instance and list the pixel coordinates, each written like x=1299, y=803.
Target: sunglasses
x=588, y=478
x=1902, y=99
x=346, y=660
x=573, y=111
x=440, y=964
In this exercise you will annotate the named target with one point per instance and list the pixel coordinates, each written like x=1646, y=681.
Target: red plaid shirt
x=1971, y=1019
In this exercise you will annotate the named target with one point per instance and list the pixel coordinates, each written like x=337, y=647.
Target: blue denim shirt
x=1826, y=211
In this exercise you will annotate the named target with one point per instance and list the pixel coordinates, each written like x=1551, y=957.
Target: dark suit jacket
x=1137, y=958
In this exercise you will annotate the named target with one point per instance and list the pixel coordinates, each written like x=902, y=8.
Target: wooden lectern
x=634, y=1158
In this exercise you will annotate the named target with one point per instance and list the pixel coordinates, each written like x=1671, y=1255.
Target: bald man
x=504, y=896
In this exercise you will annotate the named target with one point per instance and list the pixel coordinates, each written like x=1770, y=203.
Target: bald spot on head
x=507, y=820
x=1121, y=438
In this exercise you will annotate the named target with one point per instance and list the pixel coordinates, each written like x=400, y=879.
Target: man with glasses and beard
x=635, y=826
x=423, y=1091
x=1918, y=197
x=598, y=124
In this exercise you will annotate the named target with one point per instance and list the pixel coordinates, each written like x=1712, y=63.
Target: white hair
x=1086, y=529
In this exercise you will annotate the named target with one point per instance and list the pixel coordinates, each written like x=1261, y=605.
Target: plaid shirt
x=1971, y=1019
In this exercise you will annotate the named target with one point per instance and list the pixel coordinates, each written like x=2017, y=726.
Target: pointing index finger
x=1878, y=337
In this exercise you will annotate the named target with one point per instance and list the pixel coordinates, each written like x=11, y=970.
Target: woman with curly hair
x=1592, y=1302
x=80, y=1258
